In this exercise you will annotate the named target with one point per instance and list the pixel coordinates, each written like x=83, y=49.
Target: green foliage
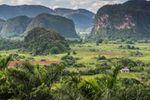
x=128, y=47
x=68, y=60
x=28, y=82
x=6, y=44
x=99, y=41
x=74, y=52
x=129, y=20
x=101, y=58
x=136, y=53
x=4, y=62
x=42, y=41
x=54, y=50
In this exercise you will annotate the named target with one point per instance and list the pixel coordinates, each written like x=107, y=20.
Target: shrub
x=128, y=47
x=68, y=60
x=74, y=52
x=101, y=58
x=137, y=53
x=54, y=50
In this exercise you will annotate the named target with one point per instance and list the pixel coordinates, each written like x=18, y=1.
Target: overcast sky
x=92, y=5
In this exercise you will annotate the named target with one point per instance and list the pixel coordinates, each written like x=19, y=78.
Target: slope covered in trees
x=42, y=41
x=130, y=20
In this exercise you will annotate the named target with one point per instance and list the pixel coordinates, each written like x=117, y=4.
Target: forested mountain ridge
x=20, y=25
x=82, y=18
x=130, y=20
x=60, y=24
x=15, y=26
x=8, y=11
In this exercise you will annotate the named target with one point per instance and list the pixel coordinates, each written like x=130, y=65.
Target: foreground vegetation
x=89, y=71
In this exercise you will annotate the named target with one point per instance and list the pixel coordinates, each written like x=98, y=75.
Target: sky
x=92, y=5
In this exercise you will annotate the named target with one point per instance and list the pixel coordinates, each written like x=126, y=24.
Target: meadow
x=88, y=71
x=87, y=53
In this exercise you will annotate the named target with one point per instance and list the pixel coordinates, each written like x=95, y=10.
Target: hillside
x=15, y=26
x=82, y=25
x=41, y=41
x=8, y=12
x=60, y=24
x=130, y=20
x=82, y=18
x=20, y=25
x=1, y=23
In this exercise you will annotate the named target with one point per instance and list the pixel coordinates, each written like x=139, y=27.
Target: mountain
x=60, y=24
x=42, y=41
x=7, y=12
x=130, y=20
x=1, y=23
x=82, y=18
x=20, y=25
x=15, y=26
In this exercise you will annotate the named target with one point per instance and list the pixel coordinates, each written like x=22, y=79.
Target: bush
x=93, y=50
x=68, y=60
x=137, y=53
x=79, y=65
x=74, y=52
x=101, y=58
x=54, y=50
x=128, y=47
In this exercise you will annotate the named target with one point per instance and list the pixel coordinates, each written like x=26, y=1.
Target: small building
x=125, y=70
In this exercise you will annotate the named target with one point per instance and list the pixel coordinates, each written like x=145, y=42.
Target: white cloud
x=21, y=1
x=93, y=5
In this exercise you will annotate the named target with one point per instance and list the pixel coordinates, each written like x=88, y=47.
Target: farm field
x=86, y=53
x=85, y=66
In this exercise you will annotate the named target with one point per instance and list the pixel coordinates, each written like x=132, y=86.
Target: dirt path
x=15, y=63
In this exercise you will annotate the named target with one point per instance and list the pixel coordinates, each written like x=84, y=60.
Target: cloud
x=92, y=5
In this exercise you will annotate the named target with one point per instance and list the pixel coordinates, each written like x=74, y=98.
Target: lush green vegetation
x=87, y=72
x=129, y=20
x=42, y=41
x=6, y=44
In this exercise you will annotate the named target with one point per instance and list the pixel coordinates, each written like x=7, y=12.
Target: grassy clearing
x=87, y=53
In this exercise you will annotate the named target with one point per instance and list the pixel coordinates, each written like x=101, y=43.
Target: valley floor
x=88, y=52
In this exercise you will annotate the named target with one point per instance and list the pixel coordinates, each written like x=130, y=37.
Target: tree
x=29, y=82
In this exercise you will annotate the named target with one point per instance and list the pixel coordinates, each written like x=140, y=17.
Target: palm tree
x=4, y=84
x=104, y=88
x=33, y=82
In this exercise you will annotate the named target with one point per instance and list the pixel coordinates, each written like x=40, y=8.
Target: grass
x=88, y=52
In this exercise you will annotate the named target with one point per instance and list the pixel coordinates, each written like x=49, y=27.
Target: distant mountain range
x=14, y=26
x=82, y=18
x=20, y=25
x=130, y=20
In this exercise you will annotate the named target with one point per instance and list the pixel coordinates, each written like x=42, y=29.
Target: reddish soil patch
x=15, y=63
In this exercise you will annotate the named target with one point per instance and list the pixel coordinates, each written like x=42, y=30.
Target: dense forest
x=29, y=82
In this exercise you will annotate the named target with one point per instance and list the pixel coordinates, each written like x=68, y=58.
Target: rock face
x=15, y=26
x=130, y=20
x=60, y=24
x=82, y=18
